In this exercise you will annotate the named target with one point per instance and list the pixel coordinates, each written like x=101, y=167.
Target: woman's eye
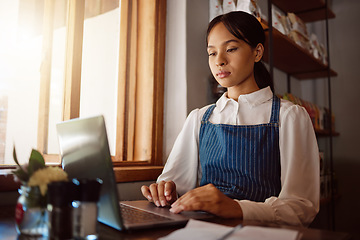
x=231, y=49
x=211, y=54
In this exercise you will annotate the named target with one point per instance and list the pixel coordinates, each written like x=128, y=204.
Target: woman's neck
x=236, y=91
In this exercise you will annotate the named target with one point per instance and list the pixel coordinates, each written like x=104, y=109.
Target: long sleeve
x=182, y=163
x=298, y=201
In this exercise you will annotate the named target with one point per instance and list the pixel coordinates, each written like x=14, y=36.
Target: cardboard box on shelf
x=300, y=40
x=249, y=6
x=297, y=24
x=318, y=49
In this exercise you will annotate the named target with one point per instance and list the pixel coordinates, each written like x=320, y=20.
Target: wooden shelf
x=307, y=10
x=291, y=58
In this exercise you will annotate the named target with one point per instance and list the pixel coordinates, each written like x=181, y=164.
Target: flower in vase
x=36, y=174
x=44, y=176
x=30, y=212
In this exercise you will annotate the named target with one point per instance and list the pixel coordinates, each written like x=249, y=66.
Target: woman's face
x=231, y=61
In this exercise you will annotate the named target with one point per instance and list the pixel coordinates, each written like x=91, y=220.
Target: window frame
x=144, y=23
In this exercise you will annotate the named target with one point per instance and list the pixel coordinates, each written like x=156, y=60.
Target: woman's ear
x=259, y=50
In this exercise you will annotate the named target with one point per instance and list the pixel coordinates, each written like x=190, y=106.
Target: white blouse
x=298, y=201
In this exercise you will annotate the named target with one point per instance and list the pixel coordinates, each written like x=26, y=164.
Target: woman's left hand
x=209, y=199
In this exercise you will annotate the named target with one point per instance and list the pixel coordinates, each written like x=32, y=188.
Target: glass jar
x=60, y=196
x=85, y=208
x=30, y=213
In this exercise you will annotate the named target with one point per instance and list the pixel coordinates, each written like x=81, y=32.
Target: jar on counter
x=60, y=197
x=30, y=212
x=85, y=208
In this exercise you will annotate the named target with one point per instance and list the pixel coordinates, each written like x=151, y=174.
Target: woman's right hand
x=161, y=194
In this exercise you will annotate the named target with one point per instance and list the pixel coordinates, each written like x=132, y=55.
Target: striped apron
x=242, y=161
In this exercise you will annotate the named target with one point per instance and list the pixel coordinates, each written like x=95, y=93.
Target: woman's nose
x=220, y=61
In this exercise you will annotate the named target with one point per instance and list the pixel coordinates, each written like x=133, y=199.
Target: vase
x=30, y=214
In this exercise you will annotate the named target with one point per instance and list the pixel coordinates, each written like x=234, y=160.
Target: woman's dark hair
x=247, y=28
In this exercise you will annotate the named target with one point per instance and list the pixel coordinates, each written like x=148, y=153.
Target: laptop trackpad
x=164, y=211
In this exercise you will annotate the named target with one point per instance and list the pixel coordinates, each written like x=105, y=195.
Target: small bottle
x=60, y=197
x=85, y=208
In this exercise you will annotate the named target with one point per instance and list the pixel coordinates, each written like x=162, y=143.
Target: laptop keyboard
x=134, y=215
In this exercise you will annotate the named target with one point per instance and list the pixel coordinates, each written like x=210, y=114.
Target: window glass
x=57, y=75
x=20, y=58
x=99, y=74
x=26, y=63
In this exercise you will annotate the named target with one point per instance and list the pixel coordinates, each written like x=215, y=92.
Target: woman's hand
x=209, y=199
x=162, y=193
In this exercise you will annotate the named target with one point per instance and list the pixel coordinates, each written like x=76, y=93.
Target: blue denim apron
x=242, y=161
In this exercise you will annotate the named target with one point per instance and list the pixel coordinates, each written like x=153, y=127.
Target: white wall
x=197, y=68
x=345, y=51
x=186, y=66
x=175, y=101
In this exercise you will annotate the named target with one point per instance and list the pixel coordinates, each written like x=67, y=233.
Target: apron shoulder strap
x=207, y=114
x=275, y=110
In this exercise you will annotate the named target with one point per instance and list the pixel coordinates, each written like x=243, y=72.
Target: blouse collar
x=252, y=99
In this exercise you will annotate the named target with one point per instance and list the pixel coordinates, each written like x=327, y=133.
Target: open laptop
x=85, y=154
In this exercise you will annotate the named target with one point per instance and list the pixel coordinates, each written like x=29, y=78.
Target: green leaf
x=36, y=162
x=36, y=155
x=15, y=157
x=21, y=175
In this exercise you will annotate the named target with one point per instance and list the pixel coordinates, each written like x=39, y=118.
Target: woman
x=250, y=155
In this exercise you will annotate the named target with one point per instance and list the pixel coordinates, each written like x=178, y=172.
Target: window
x=86, y=58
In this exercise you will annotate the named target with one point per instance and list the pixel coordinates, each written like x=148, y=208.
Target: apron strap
x=207, y=114
x=275, y=110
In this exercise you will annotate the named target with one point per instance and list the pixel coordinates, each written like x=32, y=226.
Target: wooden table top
x=8, y=230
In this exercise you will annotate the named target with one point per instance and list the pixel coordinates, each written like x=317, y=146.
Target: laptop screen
x=85, y=154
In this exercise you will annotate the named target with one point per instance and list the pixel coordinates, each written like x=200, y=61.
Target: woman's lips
x=223, y=74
